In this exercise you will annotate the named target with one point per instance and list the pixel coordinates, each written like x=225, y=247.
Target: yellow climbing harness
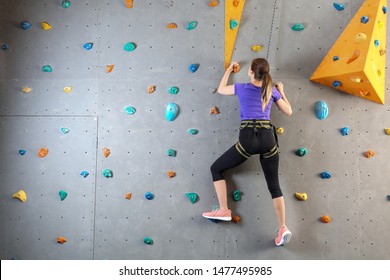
x=261, y=124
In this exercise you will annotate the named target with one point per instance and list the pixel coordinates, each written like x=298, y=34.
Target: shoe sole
x=226, y=219
x=286, y=236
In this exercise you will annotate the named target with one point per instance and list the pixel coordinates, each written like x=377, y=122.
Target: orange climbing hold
x=151, y=89
x=214, y=111
x=236, y=68
x=171, y=174
x=369, y=153
x=354, y=56
x=43, y=152
x=236, y=3
x=129, y=3
x=106, y=152
x=382, y=52
x=128, y=196
x=213, y=3
x=109, y=68
x=236, y=219
x=61, y=239
x=326, y=219
x=172, y=25
x=364, y=92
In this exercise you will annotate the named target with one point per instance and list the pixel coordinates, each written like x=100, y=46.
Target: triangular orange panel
x=356, y=62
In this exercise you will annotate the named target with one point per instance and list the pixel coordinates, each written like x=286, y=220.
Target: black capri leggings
x=252, y=141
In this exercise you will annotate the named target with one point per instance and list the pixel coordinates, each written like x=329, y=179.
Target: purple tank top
x=249, y=97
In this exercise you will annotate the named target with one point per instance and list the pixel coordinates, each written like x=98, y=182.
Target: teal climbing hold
x=173, y=90
x=192, y=196
x=107, y=173
x=193, y=131
x=321, y=110
x=129, y=47
x=301, y=152
x=338, y=6
x=376, y=43
x=149, y=196
x=171, y=112
x=236, y=195
x=25, y=25
x=130, y=110
x=84, y=174
x=325, y=175
x=47, y=69
x=63, y=195
x=298, y=27
x=65, y=130
x=233, y=24
x=88, y=46
x=148, y=241
x=65, y=4
x=193, y=67
x=192, y=25
x=384, y=9
x=172, y=153
x=22, y=152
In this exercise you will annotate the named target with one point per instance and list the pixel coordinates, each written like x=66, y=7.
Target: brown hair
x=260, y=68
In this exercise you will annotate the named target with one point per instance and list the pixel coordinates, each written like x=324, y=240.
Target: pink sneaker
x=218, y=214
x=283, y=237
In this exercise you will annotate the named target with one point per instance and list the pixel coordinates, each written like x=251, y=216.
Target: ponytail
x=266, y=91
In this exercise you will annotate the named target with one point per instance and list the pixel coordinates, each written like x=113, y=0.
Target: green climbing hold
x=193, y=131
x=171, y=153
x=192, y=196
x=233, y=24
x=301, y=152
x=148, y=241
x=107, y=173
x=63, y=195
x=192, y=25
x=237, y=195
x=47, y=68
x=173, y=90
x=298, y=27
x=65, y=130
x=65, y=4
x=129, y=47
x=130, y=110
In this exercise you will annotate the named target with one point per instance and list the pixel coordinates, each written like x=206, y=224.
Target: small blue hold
x=376, y=43
x=344, y=131
x=88, y=46
x=336, y=84
x=335, y=58
x=5, y=47
x=325, y=175
x=338, y=6
x=384, y=9
x=193, y=67
x=25, y=25
x=364, y=19
x=84, y=174
x=65, y=130
x=22, y=152
x=149, y=196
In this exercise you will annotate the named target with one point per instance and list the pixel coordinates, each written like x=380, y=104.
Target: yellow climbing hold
x=26, y=89
x=68, y=89
x=387, y=131
x=21, y=195
x=356, y=79
x=301, y=196
x=280, y=130
x=46, y=26
x=257, y=48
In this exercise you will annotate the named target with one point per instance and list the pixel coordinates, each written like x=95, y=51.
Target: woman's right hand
x=279, y=87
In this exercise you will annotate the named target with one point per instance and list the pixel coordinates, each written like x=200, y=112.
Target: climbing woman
x=257, y=136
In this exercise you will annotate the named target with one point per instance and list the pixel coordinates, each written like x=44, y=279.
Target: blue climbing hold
x=384, y=9
x=233, y=24
x=321, y=110
x=149, y=196
x=325, y=175
x=172, y=153
x=388, y=197
x=88, y=46
x=338, y=6
x=25, y=25
x=376, y=43
x=364, y=19
x=107, y=173
x=22, y=152
x=65, y=130
x=193, y=131
x=344, y=131
x=5, y=47
x=335, y=58
x=84, y=174
x=193, y=67
x=173, y=90
x=336, y=84
x=171, y=112
x=130, y=110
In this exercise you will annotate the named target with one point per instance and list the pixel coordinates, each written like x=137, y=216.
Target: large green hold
x=192, y=196
x=65, y=4
x=47, y=69
x=129, y=47
x=63, y=195
x=301, y=152
x=107, y=173
x=298, y=27
x=192, y=25
x=148, y=241
x=237, y=195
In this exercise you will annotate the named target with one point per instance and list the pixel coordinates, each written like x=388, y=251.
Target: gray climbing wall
x=96, y=219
